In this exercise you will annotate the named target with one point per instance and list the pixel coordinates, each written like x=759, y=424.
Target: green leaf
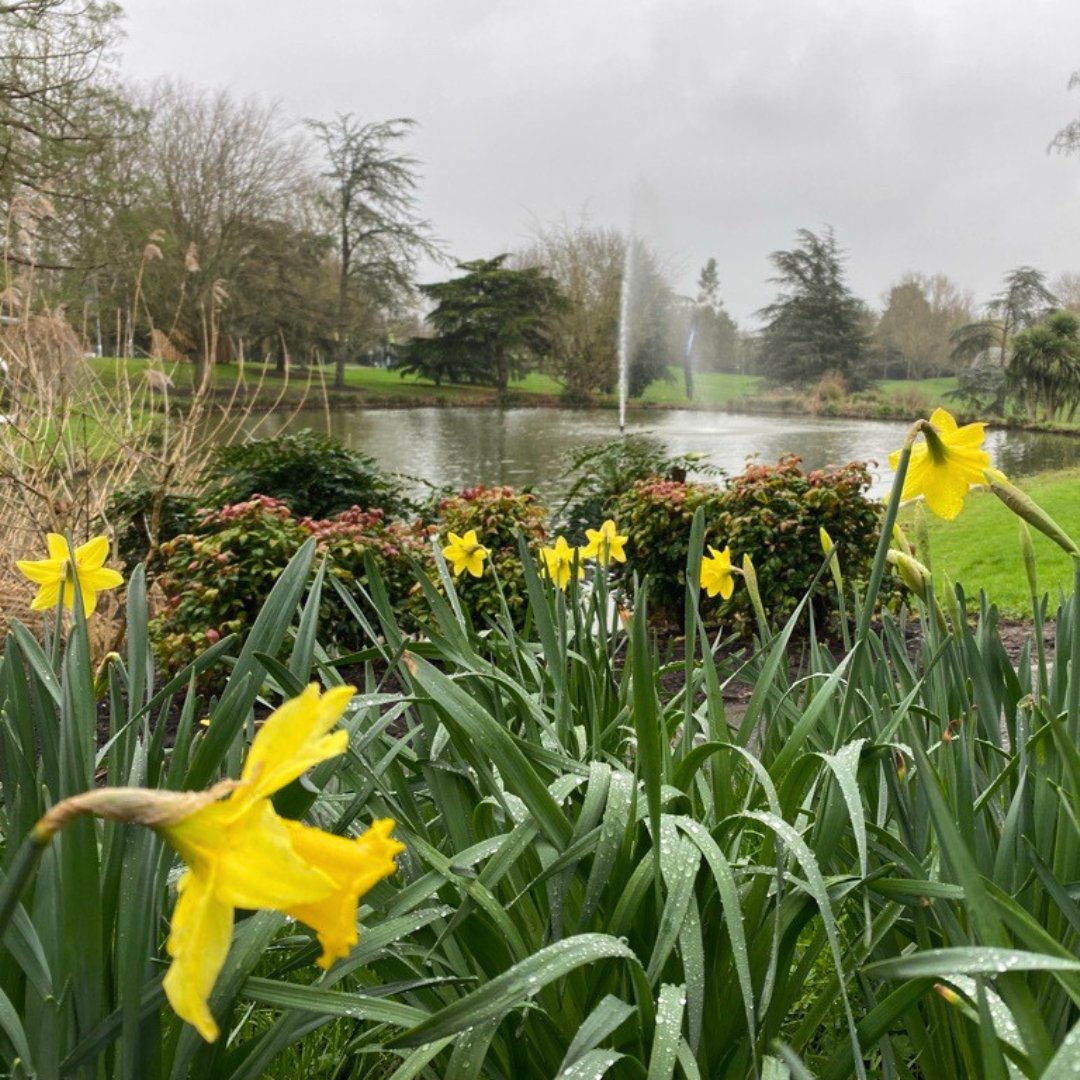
x=967, y=960
x=515, y=987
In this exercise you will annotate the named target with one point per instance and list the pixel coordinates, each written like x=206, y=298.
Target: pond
x=527, y=447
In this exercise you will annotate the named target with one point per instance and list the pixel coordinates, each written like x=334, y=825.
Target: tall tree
x=913, y=336
x=590, y=263
x=815, y=324
x=1044, y=368
x=62, y=115
x=55, y=76
x=716, y=335
x=490, y=324
x=1025, y=300
x=379, y=234
x=220, y=169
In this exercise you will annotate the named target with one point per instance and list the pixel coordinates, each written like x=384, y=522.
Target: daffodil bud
x=914, y=575
x=1027, y=553
x=750, y=577
x=829, y=548
x=135, y=806
x=900, y=539
x=1026, y=508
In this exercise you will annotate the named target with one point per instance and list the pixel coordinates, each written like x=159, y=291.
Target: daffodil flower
x=465, y=553
x=604, y=544
x=945, y=464
x=241, y=854
x=559, y=562
x=56, y=575
x=717, y=575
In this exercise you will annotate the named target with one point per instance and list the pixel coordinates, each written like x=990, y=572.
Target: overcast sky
x=917, y=128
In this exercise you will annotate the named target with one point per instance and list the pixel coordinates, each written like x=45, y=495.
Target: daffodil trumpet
x=240, y=853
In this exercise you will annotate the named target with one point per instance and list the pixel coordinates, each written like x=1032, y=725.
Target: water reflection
x=527, y=447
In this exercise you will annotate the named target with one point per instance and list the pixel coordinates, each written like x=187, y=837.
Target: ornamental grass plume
x=241, y=854
x=465, y=553
x=605, y=544
x=945, y=465
x=559, y=562
x=717, y=575
x=56, y=575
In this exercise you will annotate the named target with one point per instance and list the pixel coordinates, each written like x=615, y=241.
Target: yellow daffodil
x=945, y=464
x=465, y=553
x=604, y=544
x=241, y=854
x=716, y=573
x=56, y=575
x=559, y=562
x=828, y=547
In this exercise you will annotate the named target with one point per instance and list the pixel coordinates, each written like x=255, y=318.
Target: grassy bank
x=377, y=386
x=980, y=549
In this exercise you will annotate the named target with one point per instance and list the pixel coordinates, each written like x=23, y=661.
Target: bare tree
x=379, y=234
x=220, y=168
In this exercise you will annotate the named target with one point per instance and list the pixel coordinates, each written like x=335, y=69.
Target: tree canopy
x=816, y=324
x=490, y=324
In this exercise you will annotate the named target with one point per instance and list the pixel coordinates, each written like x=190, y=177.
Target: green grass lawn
x=934, y=390
x=710, y=388
x=981, y=549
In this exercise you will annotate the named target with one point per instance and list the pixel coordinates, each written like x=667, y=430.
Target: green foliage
x=236, y=553
x=595, y=475
x=499, y=515
x=211, y=576
x=312, y=473
x=491, y=324
x=773, y=513
x=143, y=515
x=1044, y=370
x=815, y=325
x=606, y=870
x=655, y=514
x=770, y=512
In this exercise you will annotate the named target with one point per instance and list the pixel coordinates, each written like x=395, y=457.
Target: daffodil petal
x=354, y=865
x=198, y=943
x=103, y=578
x=58, y=548
x=249, y=854
x=293, y=739
x=92, y=554
x=943, y=421
x=42, y=571
x=47, y=596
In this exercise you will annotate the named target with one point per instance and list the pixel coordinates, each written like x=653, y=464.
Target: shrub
x=216, y=576
x=774, y=513
x=498, y=514
x=771, y=512
x=311, y=473
x=595, y=475
x=144, y=517
x=655, y=515
x=347, y=539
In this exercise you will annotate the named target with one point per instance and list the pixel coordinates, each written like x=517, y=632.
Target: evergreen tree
x=491, y=324
x=815, y=324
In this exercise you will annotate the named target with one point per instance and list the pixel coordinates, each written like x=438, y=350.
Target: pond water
x=527, y=447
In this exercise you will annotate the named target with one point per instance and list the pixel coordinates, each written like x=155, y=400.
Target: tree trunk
x=502, y=373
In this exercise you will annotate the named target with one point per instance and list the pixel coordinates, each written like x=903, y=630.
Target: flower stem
x=19, y=873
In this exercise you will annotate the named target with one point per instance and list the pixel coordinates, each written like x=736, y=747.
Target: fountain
x=624, y=330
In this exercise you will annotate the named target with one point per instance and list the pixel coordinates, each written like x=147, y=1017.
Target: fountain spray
x=624, y=330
